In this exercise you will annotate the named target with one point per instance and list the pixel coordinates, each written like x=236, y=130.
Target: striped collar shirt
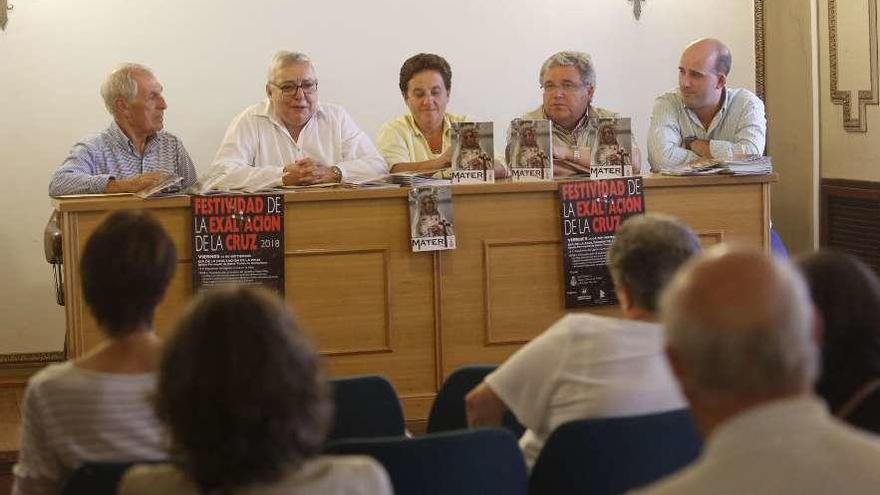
x=739, y=128
x=110, y=154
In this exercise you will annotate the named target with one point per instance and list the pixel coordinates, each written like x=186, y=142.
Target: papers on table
x=417, y=179
x=740, y=165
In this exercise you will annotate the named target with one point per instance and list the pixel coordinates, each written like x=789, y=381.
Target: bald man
x=703, y=118
x=741, y=342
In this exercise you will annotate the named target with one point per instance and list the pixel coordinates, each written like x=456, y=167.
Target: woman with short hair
x=421, y=140
x=97, y=408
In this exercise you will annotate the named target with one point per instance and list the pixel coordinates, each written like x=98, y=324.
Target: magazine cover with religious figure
x=472, y=149
x=430, y=212
x=612, y=149
x=530, y=150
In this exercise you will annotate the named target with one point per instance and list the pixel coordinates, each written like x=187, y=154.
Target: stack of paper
x=383, y=182
x=741, y=165
x=411, y=179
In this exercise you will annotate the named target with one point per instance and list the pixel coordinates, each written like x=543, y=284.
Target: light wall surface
x=212, y=58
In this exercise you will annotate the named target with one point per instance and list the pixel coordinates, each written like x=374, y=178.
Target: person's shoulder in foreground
x=349, y=475
x=747, y=361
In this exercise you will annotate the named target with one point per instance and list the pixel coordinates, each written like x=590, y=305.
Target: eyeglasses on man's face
x=565, y=87
x=289, y=89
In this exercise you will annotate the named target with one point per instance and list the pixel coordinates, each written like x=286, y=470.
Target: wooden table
x=372, y=306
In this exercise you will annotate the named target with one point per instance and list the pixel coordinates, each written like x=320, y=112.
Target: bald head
x=713, y=52
x=741, y=323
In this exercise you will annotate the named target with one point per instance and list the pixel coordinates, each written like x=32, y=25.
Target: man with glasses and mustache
x=568, y=80
x=309, y=142
x=703, y=118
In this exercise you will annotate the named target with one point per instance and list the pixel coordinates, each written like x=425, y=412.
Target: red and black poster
x=238, y=239
x=592, y=211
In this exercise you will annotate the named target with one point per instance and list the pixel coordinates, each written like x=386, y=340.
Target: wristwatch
x=576, y=154
x=337, y=174
x=687, y=142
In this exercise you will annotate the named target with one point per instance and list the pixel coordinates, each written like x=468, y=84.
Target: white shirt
x=73, y=415
x=256, y=138
x=739, y=128
x=585, y=366
x=786, y=446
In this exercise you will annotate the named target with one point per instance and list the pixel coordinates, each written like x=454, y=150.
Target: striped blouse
x=73, y=415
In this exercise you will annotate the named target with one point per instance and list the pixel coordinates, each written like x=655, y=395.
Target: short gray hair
x=646, y=252
x=738, y=348
x=120, y=83
x=285, y=58
x=579, y=60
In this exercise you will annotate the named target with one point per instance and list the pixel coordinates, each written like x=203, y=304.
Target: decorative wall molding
x=17, y=368
x=759, y=50
x=859, y=123
x=19, y=360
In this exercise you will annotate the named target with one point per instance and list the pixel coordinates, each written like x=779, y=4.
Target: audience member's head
x=740, y=332
x=241, y=391
x=646, y=252
x=846, y=292
x=126, y=266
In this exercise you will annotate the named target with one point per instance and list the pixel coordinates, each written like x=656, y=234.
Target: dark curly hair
x=422, y=62
x=241, y=390
x=847, y=295
x=125, y=267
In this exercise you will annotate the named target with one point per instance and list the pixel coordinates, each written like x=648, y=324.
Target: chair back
x=366, y=406
x=96, y=478
x=466, y=462
x=865, y=413
x=448, y=411
x=614, y=455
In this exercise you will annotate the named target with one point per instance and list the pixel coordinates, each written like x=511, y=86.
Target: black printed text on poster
x=592, y=211
x=239, y=240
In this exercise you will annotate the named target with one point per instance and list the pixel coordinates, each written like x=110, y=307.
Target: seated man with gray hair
x=306, y=141
x=568, y=80
x=741, y=340
x=134, y=153
x=586, y=365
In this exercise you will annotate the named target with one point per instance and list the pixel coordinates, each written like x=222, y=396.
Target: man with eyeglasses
x=703, y=118
x=568, y=80
x=307, y=141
